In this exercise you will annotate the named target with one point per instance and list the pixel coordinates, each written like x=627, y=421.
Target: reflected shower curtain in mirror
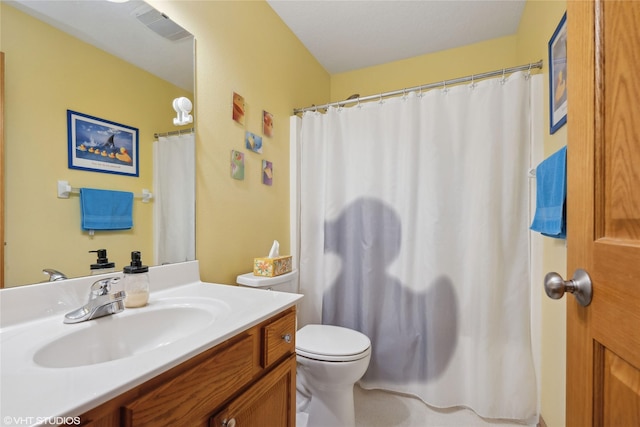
x=174, y=210
x=414, y=217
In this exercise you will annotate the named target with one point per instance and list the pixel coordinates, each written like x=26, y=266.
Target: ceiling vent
x=161, y=24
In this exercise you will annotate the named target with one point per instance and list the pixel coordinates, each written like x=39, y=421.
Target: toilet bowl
x=330, y=359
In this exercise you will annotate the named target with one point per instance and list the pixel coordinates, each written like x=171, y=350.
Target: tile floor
x=376, y=408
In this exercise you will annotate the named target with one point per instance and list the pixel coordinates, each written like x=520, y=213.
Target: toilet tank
x=283, y=283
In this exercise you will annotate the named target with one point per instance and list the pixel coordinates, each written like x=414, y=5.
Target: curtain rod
x=174, y=132
x=504, y=71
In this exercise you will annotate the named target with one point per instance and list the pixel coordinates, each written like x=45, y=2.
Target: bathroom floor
x=376, y=408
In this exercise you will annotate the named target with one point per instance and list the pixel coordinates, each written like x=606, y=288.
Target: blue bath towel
x=106, y=209
x=551, y=191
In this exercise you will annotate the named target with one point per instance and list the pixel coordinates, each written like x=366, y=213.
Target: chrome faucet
x=54, y=275
x=102, y=302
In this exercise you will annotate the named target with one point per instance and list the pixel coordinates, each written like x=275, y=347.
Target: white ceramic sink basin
x=129, y=333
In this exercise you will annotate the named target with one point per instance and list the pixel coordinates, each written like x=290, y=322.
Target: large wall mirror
x=119, y=62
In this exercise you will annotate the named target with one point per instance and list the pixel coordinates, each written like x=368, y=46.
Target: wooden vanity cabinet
x=248, y=378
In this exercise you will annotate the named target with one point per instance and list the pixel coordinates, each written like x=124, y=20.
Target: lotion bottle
x=136, y=282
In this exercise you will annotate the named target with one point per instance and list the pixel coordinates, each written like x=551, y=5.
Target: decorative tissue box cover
x=270, y=267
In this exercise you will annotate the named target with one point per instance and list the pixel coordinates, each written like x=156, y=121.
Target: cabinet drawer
x=278, y=338
x=196, y=392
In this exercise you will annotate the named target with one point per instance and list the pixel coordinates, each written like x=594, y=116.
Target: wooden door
x=603, y=208
x=1, y=170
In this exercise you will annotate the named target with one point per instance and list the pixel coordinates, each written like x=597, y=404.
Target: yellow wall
x=48, y=72
x=539, y=21
x=449, y=64
x=246, y=48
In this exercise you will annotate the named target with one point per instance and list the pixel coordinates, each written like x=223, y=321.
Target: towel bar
x=64, y=190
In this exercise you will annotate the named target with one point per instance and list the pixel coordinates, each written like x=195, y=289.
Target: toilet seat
x=331, y=343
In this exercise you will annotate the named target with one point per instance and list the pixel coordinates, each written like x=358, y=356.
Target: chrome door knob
x=579, y=285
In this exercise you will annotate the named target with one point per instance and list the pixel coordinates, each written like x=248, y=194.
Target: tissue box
x=270, y=267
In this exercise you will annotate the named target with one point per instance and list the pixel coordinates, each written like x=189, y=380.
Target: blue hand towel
x=551, y=192
x=106, y=209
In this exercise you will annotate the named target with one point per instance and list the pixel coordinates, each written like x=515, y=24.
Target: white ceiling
x=114, y=28
x=347, y=35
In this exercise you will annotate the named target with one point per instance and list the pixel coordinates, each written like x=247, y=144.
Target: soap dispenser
x=102, y=264
x=136, y=282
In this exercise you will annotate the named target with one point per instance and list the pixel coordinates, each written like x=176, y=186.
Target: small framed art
x=99, y=145
x=238, y=108
x=267, y=123
x=253, y=142
x=558, y=76
x=237, y=165
x=267, y=172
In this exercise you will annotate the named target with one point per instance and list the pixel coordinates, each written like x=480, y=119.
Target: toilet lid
x=332, y=343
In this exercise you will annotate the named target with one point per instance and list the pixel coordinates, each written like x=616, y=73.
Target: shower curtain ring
x=380, y=101
x=504, y=78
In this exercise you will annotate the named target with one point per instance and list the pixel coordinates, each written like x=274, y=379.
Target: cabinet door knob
x=229, y=423
x=287, y=338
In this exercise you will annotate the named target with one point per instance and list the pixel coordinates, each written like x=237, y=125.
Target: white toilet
x=331, y=359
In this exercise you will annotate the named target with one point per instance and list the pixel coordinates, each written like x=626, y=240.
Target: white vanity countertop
x=32, y=316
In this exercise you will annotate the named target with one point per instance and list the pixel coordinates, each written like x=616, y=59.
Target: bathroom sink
x=129, y=333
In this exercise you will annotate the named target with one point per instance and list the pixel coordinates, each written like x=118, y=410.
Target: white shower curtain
x=414, y=231
x=174, y=210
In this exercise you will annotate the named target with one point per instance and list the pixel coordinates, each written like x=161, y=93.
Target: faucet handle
x=102, y=287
